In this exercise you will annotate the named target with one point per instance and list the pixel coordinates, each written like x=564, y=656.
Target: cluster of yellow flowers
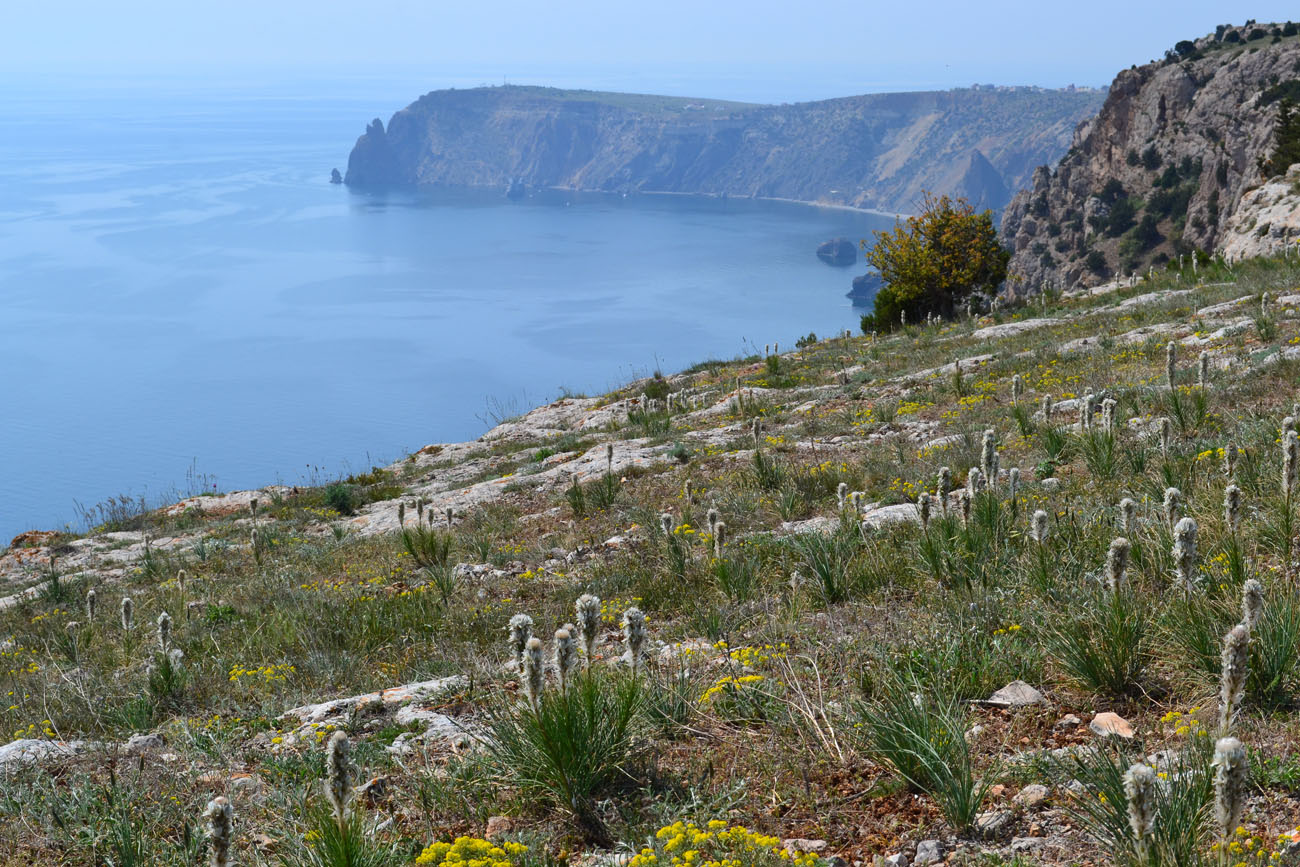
x=13, y=654
x=472, y=852
x=32, y=731
x=911, y=407
x=753, y=656
x=611, y=610
x=1184, y=724
x=1248, y=850
x=1009, y=629
x=261, y=673
x=685, y=844
x=723, y=684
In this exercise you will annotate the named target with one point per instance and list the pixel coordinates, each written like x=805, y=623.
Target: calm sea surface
x=182, y=292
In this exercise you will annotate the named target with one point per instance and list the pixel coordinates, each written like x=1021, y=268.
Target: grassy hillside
x=815, y=669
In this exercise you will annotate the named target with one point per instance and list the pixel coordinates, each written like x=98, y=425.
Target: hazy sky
x=759, y=49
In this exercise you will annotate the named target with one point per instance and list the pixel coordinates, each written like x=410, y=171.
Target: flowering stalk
x=1232, y=676
x=1140, y=784
x=91, y=599
x=587, y=609
x=1232, y=507
x=943, y=486
x=1171, y=357
x=534, y=672
x=521, y=630
x=1127, y=516
x=221, y=820
x=566, y=656
x=923, y=509
x=719, y=539
x=1117, y=564
x=164, y=631
x=1231, y=774
x=338, y=775
x=989, y=457
x=974, y=481
x=128, y=613
x=1252, y=603
x=1184, y=553
x=1230, y=459
x=1172, y=502
x=1166, y=437
x=634, y=634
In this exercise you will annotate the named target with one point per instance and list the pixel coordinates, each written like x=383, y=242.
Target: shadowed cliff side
x=876, y=151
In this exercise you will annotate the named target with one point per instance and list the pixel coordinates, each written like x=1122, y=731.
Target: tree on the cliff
x=932, y=262
x=1286, y=139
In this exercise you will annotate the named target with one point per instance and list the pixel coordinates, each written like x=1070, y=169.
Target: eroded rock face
x=1183, y=138
x=1266, y=221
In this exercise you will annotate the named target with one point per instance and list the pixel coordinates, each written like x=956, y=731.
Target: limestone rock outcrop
x=1161, y=170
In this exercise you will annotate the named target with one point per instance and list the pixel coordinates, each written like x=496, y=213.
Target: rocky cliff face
x=877, y=151
x=1162, y=168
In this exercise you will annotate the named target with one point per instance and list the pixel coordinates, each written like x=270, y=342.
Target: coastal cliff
x=1163, y=168
x=877, y=151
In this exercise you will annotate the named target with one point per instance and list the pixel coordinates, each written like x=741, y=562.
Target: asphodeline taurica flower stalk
x=1232, y=507
x=566, y=656
x=1173, y=500
x=1252, y=603
x=1127, y=515
x=1171, y=360
x=534, y=671
x=1184, y=553
x=1013, y=483
x=221, y=820
x=521, y=629
x=923, y=509
x=164, y=631
x=587, y=609
x=1231, y=774
x=989, y=457
x=338, y=774
x=1140, y=784
x=1290, y=463
x=1232, y=676
x=91, y=599
x=634, y=634
x=1117, y=564
x=128, y=613
x=1038, y=527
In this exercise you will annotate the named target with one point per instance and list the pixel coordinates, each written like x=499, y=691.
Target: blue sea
x=187, y=303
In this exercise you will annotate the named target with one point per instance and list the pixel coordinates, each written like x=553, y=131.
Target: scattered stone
x=1068, y=721
x=1107, y=724
x=1027, y=844
x=499, y=825
x=373, y=790
x=249, y=785
x=898, y=859
x=1031, y=795
x=28, y=751
x=799, y=845
x=1016, y=694
x=928, y=852
x=993, y=823
x=974, y=732
x=140, y=744
x=1051, y=484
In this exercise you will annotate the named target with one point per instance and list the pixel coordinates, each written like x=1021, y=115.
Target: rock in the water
x=1109, y=724
x=1031, y=795
x=928, y=852
x=1016, y=694
x=335, y=177
x=838, y=251
x=865, y=287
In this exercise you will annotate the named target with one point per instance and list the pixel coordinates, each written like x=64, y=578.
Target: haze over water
x=181, y=287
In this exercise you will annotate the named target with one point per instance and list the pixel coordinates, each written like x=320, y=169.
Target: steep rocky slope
x=1162, y=168
x=876, y=151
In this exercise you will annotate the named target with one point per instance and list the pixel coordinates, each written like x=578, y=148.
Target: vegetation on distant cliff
x=874, y=151
x=933, y=262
